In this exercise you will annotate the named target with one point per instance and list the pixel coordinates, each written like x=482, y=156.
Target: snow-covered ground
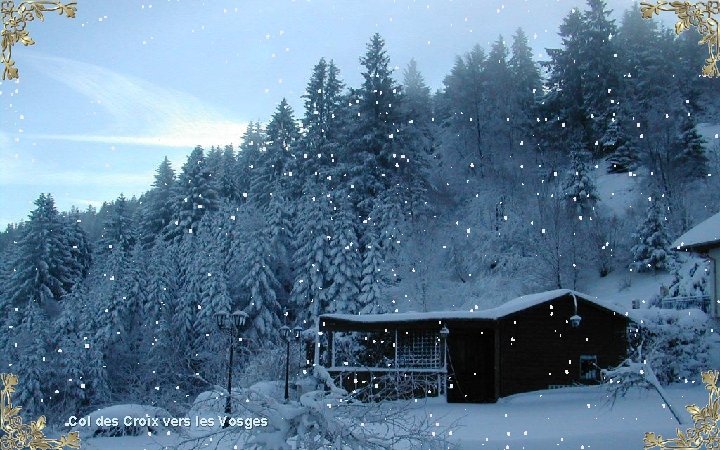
x=622, y=286
x=570, y=418
x=617, y=191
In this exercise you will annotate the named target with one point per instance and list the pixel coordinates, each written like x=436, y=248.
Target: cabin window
x=589, y=370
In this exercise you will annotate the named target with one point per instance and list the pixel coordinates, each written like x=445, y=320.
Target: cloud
x=77, y=178
x=140, y=112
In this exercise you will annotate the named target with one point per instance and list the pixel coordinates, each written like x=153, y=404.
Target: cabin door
x=471, y=369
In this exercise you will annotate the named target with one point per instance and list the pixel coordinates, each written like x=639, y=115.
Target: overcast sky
x=103, y=97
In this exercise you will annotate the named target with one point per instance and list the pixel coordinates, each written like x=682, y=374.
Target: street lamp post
x=231, y=324
x=285, y=333
x=444, y=333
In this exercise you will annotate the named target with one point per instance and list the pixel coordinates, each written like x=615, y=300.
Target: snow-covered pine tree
x=157, y=209
x=600, y=72
x=163, y=293
x=70, y=356
x=227, y=178
x=524, y=76
x=39, y=273
x=372, y=135
x=312, y=256
x=185, y=306
x=563, y=103
x=253, y=143
x=498, y=95
x=33, y=362
x=417, y=102
x=274, y=172
x=415, y=143
x=213, y=294
x=370, y=301
x=259, y=282
x=344, y=267
x=691, y=150
x=461, y=106
x=80, y=258
x=118, y=229
x=580, y=190
x=638, y=61
x=194, y=195
x=652, y=249
x=281, y=228
x=318, y=150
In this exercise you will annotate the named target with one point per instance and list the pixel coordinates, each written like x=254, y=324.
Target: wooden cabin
x=540, y=341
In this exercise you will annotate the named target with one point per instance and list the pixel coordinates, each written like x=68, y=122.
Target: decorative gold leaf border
x=14, y=435
x=698, y=15
x=706, y=431
x=15, y=20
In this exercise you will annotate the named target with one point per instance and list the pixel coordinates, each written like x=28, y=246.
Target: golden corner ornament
x=699, y=15
x=15, y=21
x=705, y=433
x=14, y=435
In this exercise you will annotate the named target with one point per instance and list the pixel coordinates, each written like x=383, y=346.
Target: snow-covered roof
x=704, y=234
x=510, y=307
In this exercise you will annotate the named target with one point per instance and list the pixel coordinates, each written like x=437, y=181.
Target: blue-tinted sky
x=103, y=97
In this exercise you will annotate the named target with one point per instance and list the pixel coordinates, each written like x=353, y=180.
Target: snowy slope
x=617, y=191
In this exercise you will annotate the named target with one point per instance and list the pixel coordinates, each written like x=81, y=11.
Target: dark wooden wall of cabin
x=538, y=345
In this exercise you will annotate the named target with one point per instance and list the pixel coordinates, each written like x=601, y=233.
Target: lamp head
x=238, y=319
x=285, y=331
x=575, y=321
x=221, y=319
x=298, y=332
x=444, y=332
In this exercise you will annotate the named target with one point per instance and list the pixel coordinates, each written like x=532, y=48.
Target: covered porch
x=412, y=355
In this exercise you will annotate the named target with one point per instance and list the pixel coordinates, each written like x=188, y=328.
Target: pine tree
x=318, y=151
x=691, y=150
x=416, y=96
x=564, y=101
x=80, y=258
x=281, y=229
x=254, y=142
x=499, y=92
x=118, y=230
x=213, y=294
x=580, y=190
x=372, y=279
x=185, y=306
x=32, y=365
x=227, y=178
x=274, y=173
x=260, y=283
x=194, y=195
x=526, y=88
x=372, y=137
x=316, y=114
x=157, y=210
x=652, y=249
x=463, y=105
x=311, y=258
x=600, y=72
x=344, y=266
x=524, y=72
x=39, y=273
x=69, y=361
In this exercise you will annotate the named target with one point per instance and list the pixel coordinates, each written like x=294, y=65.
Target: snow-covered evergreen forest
x=379, y=197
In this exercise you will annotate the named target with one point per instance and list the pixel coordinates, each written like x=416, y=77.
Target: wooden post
x=496, y=356
x=331, y=344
